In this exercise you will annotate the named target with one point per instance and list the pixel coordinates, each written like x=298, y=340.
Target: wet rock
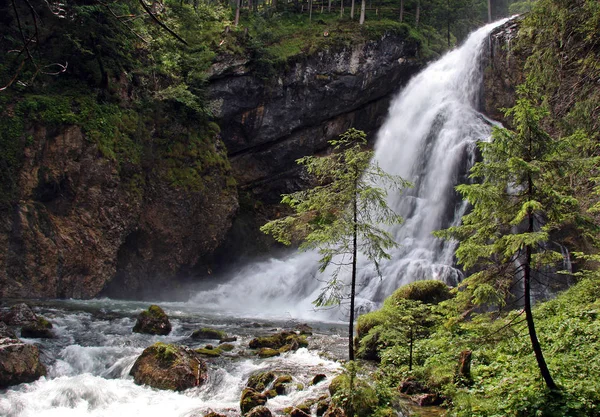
x=169, y=367
x=209, y=351
x=259, y=381
x=39, y=329
x=226, y=347
x=281, y=382
x=334, y=412
x=411, y=386
x=424, y=400
x=322, y=406
x=153, y=321
x=282, y=341
x=267, y=353
x=318, y=378
x=19, y=315
x=304, y=329
x=250, y=399
x=213, y=414
x=208, y=333
x=296, y=412
x=6, y=332
x=260, y=411
x=19, y=363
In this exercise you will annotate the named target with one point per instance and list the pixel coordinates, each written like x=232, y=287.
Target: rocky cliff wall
x=138, y=216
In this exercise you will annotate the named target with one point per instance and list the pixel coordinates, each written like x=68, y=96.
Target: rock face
x=268, y=124
x=169, y=367
x=504, y=71
x=19, y=363
x=81, y=221
x=153, y=321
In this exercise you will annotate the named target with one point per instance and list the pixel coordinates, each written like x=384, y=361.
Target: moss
x=337, y=384
x=226, y=347
x=213, y=353
x=165, y=352
x=428, y=292
x=267, y=353
x=43, y=323
x=260, y=380
x=209, y=333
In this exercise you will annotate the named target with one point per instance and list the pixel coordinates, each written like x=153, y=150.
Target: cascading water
x=429, y=138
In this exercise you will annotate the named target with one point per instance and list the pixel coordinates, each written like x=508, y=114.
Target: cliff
x=129, y=202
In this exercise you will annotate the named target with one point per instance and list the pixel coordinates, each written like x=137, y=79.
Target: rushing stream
x=429, y=138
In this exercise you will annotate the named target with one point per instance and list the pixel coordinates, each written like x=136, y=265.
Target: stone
x=208, y=333
x=304, y=329
x=318, y=378
x=169, y=367
x=281, y=382
x=267, y=353
x=19, y=363
x=411, y=386
x=259, y=381
x=322, y=406
x=334, y=412
x=153, y=321
x=19, y=315
x=39, y=329
x=282, y=341
x=260, y=411
x=213, y=414
x=424, y=400
x=296, y=412
x=250, y=399
x=6, y=332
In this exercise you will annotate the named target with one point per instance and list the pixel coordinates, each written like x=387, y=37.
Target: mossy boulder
x=427, y=292
x=213, y=414
x=209, y=333
x=260, y=411
x=322, y=406
x=153, y=321
x=169, y=367
x=267, y=352
x=297, y=412
x=259, y=381
x=19, y=315
x=337, y=384
x=39, y=329
x=226, y=347
x=209, y=351
x=19, y=363
x=318, y=378
x=283, y=341
x=251, y=398
x=334, y=412
x=281, y=383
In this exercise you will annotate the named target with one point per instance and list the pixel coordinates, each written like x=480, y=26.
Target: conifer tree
x=520, y=196
x=341, y=216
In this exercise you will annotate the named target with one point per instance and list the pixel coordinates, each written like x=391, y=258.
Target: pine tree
x=341, y=216
x=521, y=194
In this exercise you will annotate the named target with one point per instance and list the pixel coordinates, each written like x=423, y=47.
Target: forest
x=144, y=146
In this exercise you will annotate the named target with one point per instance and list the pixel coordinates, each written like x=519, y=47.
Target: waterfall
x=429, y=138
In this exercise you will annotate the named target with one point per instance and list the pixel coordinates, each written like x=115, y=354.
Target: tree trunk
x=310, y=10
x=464, y=366
x=448, y=21
x=353, y=284
x=401, y=10
x=535, y=343
x=418, y=14
x=237, y=13
x=489, y=11
x=274, y=4
x=410, y=356
x=352, y=10
x=329, y=7
x=363, y=6
x=341, y=8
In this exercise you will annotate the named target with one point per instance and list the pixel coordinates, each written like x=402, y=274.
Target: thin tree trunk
x=410, y=356
x=274, y=4
x=353, y=284
x=237, y=13
x=329, y=7
x=401, y=10
x=489, y=11
x=310, y=10
x=535, y=343
x=352, y=10
x=341, y=8
x=418, y=14
x=448, y=20
x=363, y=6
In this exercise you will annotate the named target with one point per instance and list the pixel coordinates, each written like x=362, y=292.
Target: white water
x=430, y=139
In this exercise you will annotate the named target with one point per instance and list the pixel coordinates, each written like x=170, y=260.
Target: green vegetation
x=165, y=352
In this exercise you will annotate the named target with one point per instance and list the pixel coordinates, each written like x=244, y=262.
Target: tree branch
x=161, y=24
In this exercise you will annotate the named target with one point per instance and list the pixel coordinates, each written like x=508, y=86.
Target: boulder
x=334, y=412
x=213, y=414
x=19, y=315
x=153, y=321
x=208, y=333
x=424, y=400
x=6, y=332
x=322, y=406
x=39, y=329
x=296, y=412
x=250, y=399
x=280, y=383
x=260, y=411
x=318, y=378
x=267, y=352
x=304, y=329
x=169, y=367
x=411, y=386
x=282, y=341
x=260, y=380
x=19, y=362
